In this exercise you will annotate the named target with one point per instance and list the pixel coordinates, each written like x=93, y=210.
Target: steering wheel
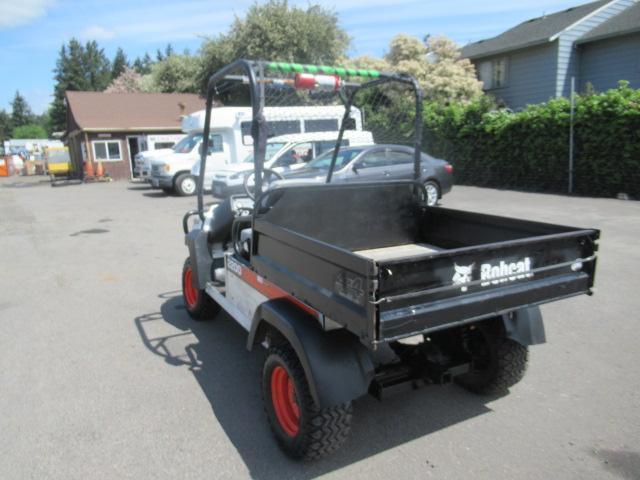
x=267, y=177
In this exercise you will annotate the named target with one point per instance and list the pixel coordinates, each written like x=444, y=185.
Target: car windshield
x=187, y=143
x=322, y=162
x=272, y=149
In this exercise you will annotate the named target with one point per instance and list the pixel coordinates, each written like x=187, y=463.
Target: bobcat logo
x=462, y=275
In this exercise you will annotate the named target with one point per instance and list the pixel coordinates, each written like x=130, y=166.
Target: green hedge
x=529, y=150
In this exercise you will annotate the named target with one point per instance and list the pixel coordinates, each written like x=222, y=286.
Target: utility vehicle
x=359, y=288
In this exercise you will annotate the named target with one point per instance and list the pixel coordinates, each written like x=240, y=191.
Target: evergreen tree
x=119, y=64
x=143, y=65
x=97, y=68
x=168, y=51
x=159, y=56
x=21, y=113
x=5, y=126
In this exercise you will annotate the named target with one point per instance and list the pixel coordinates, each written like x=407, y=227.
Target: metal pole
x=571, y=116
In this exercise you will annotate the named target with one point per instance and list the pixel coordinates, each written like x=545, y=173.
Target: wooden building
x=113, y=127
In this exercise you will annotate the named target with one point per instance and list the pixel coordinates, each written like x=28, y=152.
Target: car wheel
x=199, y=305
x=433, y=193
x=302, y=430
x=186, y=185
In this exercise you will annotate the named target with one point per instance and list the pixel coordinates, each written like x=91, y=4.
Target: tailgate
x=432, y=292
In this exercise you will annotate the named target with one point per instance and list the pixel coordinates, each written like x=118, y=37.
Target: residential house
x=113, y=127
x=596, y=43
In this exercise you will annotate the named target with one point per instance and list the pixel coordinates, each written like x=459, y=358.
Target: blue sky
x=32, y=31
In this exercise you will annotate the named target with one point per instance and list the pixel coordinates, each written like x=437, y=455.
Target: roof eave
x=605, y=36
x=127, y=129
x=505, y=50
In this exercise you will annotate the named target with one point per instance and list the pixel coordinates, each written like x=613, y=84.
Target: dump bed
x=375, y=259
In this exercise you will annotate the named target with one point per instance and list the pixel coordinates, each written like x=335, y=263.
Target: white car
x=283, y=154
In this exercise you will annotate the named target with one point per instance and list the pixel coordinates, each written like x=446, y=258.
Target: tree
x=21, y=113
x=129, y=81
x=277, y=31
x=97, y=68
x=143, y=65
x=31, y=130
x=176, y=73
x=5, y=126
x=119, y=64
x=435, y=63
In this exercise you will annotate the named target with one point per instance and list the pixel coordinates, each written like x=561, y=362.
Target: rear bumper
x=460, y=309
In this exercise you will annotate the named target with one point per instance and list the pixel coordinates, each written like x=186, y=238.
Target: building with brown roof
x=113, y=127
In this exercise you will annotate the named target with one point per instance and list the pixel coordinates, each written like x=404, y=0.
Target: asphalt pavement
x=103, y=374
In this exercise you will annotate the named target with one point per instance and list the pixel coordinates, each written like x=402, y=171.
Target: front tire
x=302, y=430
x=185, y=185
x=199, y=305
x=498, y=363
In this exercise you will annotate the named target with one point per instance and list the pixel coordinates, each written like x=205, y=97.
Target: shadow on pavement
x=229, y=376
x=156, y=194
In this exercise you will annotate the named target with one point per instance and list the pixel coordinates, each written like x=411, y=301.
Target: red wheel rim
x=190, y=292
x=285, y=403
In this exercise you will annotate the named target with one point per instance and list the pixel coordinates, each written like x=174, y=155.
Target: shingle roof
x=625, y=22
x=532, y=32
x=131, y=111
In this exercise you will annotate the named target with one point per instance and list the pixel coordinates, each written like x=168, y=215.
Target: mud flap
x=525, y=326
x=201, y=262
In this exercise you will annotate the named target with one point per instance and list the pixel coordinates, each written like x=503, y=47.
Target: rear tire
x=498, y=363
x=302, y=430
x=433, y=192
x=199, y=305
x=185, y=185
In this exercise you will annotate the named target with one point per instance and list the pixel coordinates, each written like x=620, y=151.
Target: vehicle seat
x=221, y=223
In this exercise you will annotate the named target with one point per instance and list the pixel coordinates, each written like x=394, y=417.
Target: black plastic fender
x=525, y=326
x=337, y=366
x=196, y=241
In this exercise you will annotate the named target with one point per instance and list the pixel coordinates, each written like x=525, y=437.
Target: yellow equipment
x=58, y=163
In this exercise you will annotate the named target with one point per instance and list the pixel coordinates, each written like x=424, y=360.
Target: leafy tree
x=435, y=63
x=129, y=81
x=31, y=130
x=277, y=31
x=176, y=73
x=21, y=113
x=119, y=63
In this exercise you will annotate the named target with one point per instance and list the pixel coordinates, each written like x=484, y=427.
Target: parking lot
x=103, y=374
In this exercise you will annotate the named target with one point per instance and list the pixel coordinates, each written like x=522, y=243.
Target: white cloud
x=19, y=12
x=96, y=32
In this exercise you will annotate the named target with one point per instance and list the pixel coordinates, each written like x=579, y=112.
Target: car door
x=401, y=163
x=372, y=166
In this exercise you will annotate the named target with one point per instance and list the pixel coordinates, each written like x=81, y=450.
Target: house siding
x=568, y=59
x=531, y=76
x=605, y=62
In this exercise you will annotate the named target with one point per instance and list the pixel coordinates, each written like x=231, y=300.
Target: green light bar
x=324, y=69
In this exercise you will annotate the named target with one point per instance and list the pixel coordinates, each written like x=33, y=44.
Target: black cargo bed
x=373, y=258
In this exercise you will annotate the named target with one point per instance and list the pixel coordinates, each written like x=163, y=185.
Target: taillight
x=448, y=168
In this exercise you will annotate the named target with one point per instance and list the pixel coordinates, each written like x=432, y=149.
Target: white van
x=230, y=140
x=284, y=153
x=153, y=146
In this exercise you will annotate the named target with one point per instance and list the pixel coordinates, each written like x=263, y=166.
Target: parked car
x=377, y=162
x=284, y=153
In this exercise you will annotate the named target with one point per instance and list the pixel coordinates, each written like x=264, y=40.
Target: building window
x=107, y=151
x=322, y=125
x=493, y=73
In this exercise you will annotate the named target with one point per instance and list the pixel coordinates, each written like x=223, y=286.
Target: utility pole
x=571, y=118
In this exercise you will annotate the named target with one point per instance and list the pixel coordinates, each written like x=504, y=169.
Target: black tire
x=185, y=185
x=498, y=364
x=319, y=431
x=198, y=304
x=432, y=198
